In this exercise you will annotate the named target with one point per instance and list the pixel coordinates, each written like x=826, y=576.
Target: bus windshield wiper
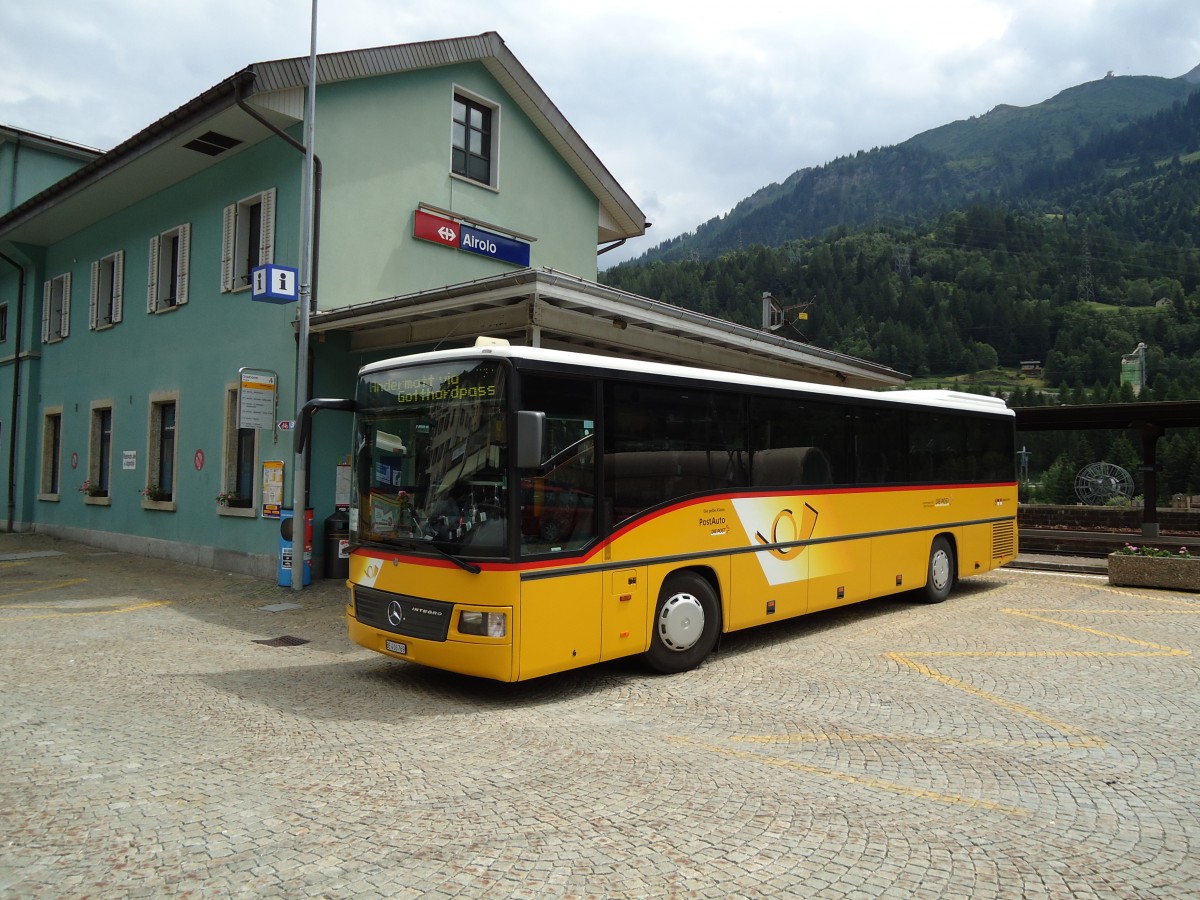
x=421, y=544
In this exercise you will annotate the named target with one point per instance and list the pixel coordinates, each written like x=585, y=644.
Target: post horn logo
x=791, y=531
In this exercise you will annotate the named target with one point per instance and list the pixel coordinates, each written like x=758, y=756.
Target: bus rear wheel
x=686, y=622
x=940, y=575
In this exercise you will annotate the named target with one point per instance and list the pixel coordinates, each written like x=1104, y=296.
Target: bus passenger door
x=624, y=614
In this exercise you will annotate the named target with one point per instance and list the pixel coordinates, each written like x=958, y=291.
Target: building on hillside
x=129, y=282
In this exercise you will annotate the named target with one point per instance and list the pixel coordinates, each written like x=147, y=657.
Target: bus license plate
x=397, y=647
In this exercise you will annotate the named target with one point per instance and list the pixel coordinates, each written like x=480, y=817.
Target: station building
x=453, y=200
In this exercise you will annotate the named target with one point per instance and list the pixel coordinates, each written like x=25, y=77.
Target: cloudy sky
x=691, y=105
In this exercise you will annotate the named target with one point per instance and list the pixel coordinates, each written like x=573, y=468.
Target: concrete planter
x=1175, y=573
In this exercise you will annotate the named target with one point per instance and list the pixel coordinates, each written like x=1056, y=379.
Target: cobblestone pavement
x=1034, y=736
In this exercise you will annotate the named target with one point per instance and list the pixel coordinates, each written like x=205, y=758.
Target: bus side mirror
x=310, y=409
x=531, y=434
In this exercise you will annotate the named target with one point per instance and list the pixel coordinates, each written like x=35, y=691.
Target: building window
x=100, y=450
x=108, y=287
x=241, y=458
x=51, y=453
x=248, y=239
x=474, y=139
x=56, y=309
x=3, y=323
x=160, y=473
x=167, y=287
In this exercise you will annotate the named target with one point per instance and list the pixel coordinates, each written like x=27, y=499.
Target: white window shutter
x=181, y=287
x=46, y=289
x=152, y=281
x=118, y=285
x=266, y=246
x=228, y=240
x=94, y=295
x=64, y=323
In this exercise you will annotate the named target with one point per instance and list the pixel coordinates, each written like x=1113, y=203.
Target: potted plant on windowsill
x=155, y=494
x=1142, y=566
x=89, y=489
x=233, y=500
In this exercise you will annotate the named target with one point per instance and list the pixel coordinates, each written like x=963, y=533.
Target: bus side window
x=880, y=446
x=667, y=443
x=795, y=442
x=558, y=500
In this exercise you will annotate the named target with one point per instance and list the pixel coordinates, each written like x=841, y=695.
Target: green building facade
x=126, y=280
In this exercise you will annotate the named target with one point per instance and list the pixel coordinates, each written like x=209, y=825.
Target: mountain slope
x=937, y=170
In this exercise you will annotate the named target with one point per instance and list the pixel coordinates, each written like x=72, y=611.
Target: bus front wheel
x=940, y=577
x=686, y=622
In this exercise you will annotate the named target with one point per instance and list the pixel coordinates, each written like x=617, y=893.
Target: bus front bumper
x=485, y=660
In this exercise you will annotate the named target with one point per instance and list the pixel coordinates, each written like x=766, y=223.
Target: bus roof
x=943, y=399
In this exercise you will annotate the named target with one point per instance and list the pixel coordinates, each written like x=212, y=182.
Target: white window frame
x=493, y=182
x=51, y=475
x=163, y=294
x=235, y=239
x=56, y=309
x=229, y=459
x=106, y=294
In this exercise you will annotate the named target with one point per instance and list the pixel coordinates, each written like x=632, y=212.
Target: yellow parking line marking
x=45, y=585
x=1163, y=649
x=864, y=781
x=1157, y=598
x=1045, y=654
x=1076, y=737
x=846, y=737
x=84, y=612
x=1081, y=739
x=1071, y=737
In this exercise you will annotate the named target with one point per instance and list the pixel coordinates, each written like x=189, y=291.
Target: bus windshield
x=430, y=458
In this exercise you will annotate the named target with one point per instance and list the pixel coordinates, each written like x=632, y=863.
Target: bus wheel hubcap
x=940, y=570
x=681, y=622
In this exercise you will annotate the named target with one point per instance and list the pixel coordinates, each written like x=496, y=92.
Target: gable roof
x=149, y=161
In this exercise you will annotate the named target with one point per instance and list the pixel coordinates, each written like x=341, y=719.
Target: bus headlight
x=484, y=624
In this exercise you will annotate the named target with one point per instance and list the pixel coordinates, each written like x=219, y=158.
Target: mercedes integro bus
x=519, y=511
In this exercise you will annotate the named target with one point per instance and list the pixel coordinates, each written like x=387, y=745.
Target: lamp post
x=299, y=513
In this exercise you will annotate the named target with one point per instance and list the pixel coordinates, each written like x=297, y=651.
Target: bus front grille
x=402, y=614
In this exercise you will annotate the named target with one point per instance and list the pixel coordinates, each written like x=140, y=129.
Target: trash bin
x=285, y=546
x=337, y=545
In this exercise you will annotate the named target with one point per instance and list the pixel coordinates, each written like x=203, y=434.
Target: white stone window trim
x=229, y=458
x=46, y=490
x=158, y=399
x=493, y=182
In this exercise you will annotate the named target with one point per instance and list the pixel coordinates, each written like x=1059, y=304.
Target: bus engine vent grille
x=402, y=614
x=1004, y=539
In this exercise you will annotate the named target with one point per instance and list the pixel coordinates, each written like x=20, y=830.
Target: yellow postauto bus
x=521, y=511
